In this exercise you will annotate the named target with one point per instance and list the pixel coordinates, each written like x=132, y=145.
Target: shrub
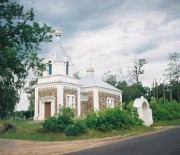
x=131, y=109
x=28, y=114
x=91, y=120
x=107, y=120
x=112, y=119
x=167, y=111
x=52, y=125
x=60, y=122
x=76, y=129
x=8, y=127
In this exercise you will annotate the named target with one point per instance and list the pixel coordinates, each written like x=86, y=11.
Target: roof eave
x=102, y=88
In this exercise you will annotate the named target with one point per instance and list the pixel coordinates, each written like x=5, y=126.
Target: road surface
x=162, y=143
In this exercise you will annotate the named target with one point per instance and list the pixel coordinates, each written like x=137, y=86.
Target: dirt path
x=17, y=147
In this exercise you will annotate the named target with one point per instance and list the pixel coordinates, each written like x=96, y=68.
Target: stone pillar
x=96, y=98
x=36, y=105
x=120, y=97
x=59, y=97
x=53, y=107
x=41, y=111
x=79, y=104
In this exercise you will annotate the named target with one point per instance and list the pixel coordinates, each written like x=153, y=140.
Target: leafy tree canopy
x=19, y=46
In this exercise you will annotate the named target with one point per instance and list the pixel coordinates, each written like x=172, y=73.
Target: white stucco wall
x=144, y=111
x=58, y=67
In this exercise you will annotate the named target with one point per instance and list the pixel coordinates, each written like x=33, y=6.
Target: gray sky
x=112, y=33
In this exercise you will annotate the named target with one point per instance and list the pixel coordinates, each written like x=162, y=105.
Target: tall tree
x=173, y=72
x=137, y=69
x=110, y=78
x=130, y=92
x=19, y=46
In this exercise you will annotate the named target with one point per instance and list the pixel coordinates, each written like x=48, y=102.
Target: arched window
x=70, y=101
x=67, y=68
x=110, y=102
x=50, y=67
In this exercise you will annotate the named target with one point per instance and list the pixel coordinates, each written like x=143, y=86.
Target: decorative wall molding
x=47, y=88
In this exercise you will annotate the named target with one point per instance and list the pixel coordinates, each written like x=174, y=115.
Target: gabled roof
x=91, y=81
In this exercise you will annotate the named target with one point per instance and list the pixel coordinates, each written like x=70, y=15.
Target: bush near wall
x=164, y=111
x=106, y=120
x=76, y=129
x=112, y=119
x=60, y=122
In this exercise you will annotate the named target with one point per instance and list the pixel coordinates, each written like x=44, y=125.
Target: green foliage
x=30, y=130
x=167, y=111
x=60, y=122
x=64, y=123
x=91, y=120
x=171, y=91
x=130, y=92
x=76, y=129
x=131, y=109
x=107, y=120
x=19, y=46
x=30, y=91
x=110, y=78
x=27, y=114
x=174, y=122
x=53, y=125
x=112, y=119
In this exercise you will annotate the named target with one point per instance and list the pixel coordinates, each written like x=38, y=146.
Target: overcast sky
x=112, y=33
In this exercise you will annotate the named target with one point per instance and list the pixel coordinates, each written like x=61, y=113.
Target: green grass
x=175, y=122
x=27, y=130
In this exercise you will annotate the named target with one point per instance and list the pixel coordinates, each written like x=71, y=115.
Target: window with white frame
x=110, y=102
x=70, y=101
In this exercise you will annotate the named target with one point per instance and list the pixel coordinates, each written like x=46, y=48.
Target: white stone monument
x=145, y=113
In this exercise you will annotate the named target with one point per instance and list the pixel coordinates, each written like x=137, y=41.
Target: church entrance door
x=47, y=110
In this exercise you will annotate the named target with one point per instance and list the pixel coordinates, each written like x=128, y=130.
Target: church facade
x=58, y=88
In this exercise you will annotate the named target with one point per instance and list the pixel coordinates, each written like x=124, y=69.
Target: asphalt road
x=162, y=143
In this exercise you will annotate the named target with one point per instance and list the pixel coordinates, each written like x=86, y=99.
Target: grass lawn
x=175, y=122
x=28, y=130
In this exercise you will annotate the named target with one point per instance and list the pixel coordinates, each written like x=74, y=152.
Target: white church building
x=57, y=87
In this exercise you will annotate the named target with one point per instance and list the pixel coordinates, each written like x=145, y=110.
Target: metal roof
x=91, y=81
x=58, y=53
